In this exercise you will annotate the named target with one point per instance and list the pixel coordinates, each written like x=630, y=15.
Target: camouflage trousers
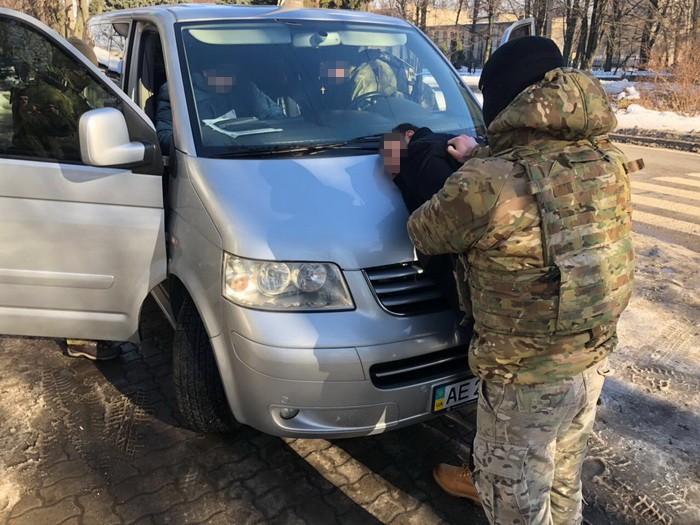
x=530, y=444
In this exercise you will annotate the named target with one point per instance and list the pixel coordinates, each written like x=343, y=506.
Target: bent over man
x=543, y=225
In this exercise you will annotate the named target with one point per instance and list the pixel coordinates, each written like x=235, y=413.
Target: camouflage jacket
x=372, y=77
x=525, y=319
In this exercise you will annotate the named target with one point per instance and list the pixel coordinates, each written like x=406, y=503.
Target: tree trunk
x=401, y=8
x=647, y=40
x=489, y=30
x=583, y=36
x=613, y=46
x=571, y=17
x=595, y=33
x=423, y=15
x=541, y=14
x=460, y=4
x=471, y=55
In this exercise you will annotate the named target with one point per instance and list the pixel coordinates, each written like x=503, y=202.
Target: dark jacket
x=245, y=98
x=424, y=170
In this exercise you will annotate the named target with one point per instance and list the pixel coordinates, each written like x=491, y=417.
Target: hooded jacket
x=425, y=168
x=543, y=226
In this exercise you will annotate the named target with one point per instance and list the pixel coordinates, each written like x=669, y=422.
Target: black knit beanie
x=513, y=67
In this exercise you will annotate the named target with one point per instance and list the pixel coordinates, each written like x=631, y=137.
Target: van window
x=283, y=87
x=43, y=93
x=109, y=43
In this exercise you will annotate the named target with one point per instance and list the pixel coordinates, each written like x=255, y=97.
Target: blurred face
x=336, y=72
x=393, y=148
x=221, y=79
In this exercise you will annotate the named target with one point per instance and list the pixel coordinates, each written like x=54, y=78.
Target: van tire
x=198, y=388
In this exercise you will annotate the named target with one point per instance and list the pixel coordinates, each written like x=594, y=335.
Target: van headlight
x=290, y=286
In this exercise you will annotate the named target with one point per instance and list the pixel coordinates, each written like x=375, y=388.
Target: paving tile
x=49, y=514
x=149, y=504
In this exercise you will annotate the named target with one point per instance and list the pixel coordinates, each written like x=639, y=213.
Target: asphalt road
x=666, y=195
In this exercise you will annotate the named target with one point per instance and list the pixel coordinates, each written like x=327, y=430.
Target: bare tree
x=421, y=14
x=541, y=12
x=623, y=35
x=613, y=34
x=65, y=16
x=595, y=33
x=655, y=13
x=572, y=14
x=583, y=35
x=492, y=12
x=471, y=56
x=460, y=5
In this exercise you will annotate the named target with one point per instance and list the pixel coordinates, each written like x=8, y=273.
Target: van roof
x=201, y=12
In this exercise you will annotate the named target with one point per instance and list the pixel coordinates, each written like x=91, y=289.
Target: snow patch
x=635, y=116
x=629, y=93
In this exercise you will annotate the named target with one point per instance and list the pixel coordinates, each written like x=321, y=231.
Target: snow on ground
x=635, y=116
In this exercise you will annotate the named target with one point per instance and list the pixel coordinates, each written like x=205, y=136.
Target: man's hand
x=461, y=147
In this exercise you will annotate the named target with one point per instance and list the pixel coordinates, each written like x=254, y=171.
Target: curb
x=686, y=143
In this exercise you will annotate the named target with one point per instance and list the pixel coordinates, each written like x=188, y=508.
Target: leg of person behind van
x=97, y=350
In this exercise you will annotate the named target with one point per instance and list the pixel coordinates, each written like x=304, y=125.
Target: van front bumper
x=327, y=391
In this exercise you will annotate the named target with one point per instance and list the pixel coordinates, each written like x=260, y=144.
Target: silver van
x=271, y=240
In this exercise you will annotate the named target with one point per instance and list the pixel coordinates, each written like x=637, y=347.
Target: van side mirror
x=104, y=140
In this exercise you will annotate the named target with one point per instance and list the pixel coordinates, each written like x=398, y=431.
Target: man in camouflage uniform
x=374, y=75
x=348, y=86
x=543, y=224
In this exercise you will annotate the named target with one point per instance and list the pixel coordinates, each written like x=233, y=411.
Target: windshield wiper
x=367, y=142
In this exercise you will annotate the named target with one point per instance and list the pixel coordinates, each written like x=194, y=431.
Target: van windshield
x=310, y=87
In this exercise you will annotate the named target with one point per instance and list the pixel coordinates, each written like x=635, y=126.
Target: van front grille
x=419, y=369
x=405, y=289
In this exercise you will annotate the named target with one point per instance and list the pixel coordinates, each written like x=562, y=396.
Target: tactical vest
x=583, y=197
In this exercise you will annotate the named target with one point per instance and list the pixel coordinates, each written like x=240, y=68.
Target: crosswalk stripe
x=680, y=180
x=684, y=194
x=672, y=224
x=667, y=205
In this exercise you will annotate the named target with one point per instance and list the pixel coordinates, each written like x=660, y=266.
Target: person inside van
x=374, y=75
x=342, y=83
x=220, y=90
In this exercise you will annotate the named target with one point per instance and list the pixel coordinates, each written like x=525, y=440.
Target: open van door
x=519, y=29
x=81, y=201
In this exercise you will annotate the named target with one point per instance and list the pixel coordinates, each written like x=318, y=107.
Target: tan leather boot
x=456, y=481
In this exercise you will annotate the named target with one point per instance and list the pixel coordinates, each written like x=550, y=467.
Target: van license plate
x=455, y=395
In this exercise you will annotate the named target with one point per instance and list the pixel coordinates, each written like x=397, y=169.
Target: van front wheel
x=200, y=394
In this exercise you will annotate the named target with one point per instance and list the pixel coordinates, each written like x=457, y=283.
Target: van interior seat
x=278, y=80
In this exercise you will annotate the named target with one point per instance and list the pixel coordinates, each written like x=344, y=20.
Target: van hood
x=340, y=209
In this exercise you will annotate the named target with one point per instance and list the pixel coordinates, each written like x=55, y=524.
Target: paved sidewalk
x=87, y=443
